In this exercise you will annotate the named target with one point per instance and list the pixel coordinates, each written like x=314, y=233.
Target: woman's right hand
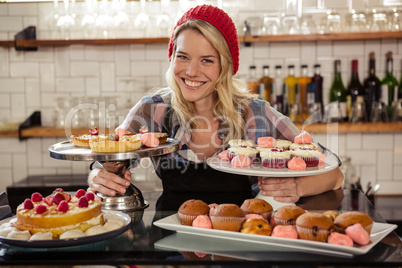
x=102, y=181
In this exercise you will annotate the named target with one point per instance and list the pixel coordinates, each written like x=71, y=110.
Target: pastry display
x=274, y=153
x=58, y=216
x=290, y=222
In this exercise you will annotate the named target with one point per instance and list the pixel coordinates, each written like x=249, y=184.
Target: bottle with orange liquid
x=265, y=84
x=252, y=81
x=303, y=82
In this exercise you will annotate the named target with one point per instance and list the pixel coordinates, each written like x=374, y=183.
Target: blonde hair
x=232, y=95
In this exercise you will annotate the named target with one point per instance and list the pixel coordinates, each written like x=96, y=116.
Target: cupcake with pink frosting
x=303, y=140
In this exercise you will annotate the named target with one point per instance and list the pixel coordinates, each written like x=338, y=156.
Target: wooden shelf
x=242, y=39
x=37, y=132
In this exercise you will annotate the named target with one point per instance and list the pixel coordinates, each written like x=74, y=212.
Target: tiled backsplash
x=31, y=81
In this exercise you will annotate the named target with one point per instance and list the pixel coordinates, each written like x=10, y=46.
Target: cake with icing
x=59, y=212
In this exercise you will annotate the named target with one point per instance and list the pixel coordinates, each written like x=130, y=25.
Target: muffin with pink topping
x=310, y=156
x=250, y=152
x=190, y=209
x=239, y=143
x=275, y=158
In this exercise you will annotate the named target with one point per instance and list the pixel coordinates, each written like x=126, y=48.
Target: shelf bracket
x=33, y=120
x=28, y=33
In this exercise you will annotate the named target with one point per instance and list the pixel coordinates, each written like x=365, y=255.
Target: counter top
x=137, y=245
x=391, y=127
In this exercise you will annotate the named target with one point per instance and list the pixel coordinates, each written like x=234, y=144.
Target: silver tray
x=65, y=150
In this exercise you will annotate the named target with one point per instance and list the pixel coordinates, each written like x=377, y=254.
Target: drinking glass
x=290, y=25
x=254, y=24
x=358, y=113
x=358, y=22
x=379, y=21
x=122, y=23
x=307, y=25
x=65, y=22
x=271, y=25
x=141, y=22
x=333, y=22
x=104, y=22
x=88, y=20
x=395, y=22
x=163, y=21
x=315, y=113
x=379, y=112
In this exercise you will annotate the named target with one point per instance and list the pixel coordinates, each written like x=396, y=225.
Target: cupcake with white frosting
x=310, y=156
x=239, y=143
x=250, y=152
x=275, y=158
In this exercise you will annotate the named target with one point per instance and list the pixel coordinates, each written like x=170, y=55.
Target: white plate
x=330, y=163
x=68, y=242
x=378, y=232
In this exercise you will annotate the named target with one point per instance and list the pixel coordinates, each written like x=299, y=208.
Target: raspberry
x=94, y=131
x=60, y=190
x=40, y=209
x=63, y=206
x=90, y=196
x=79, y=193
x=36, y=197
x=83, y=202
x=67, y=197
x=48, y=200
x=143, y=130
x=57, y=198
x=28, y=204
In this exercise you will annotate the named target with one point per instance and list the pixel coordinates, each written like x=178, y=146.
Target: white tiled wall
x=31, y=81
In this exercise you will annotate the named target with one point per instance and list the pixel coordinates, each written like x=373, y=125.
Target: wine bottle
x=266, y=82
x=252, y=81
x=337, y=97
x=290, y=88
x=316, y=83
x=355, y=88
x=372, y=87
x=389, y=86
x=277, y=89
x=303, y=82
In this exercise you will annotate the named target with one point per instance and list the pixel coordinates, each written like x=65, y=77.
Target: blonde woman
x=204, y=107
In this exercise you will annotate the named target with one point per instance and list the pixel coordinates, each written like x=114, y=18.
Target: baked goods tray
x=378, y=232
x=256, y=169
x=65, y=150
x=71, y=241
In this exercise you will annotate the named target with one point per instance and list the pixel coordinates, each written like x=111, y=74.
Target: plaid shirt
x=153, y=111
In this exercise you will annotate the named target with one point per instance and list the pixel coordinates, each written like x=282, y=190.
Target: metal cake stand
x=116, y=163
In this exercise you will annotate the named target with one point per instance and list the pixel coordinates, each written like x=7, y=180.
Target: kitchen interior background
x=117, y=76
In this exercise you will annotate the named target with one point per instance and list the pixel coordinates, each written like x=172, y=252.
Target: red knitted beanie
x=221, y=21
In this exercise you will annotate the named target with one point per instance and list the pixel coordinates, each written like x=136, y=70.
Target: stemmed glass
x=163, y=22
x=66, y=22
x=142, y=21
x=104, y=22
x=121, y=19
x=88, y=20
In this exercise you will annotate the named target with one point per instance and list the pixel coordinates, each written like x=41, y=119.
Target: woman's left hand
x=282, y=189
